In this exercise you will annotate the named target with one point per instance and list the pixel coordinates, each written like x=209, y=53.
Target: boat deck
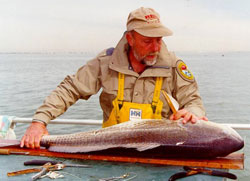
x=103, y=166
x=99, y=170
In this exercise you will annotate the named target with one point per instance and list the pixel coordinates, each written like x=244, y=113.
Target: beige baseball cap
x=146, y=21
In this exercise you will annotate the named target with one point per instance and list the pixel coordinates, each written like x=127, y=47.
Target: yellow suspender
x=157, y=92
x=156, y=96
x=120, y=92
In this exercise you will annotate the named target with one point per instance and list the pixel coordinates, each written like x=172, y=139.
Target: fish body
x=163, y=138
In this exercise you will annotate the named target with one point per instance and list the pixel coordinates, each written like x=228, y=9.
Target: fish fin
x=147, y=146
x=84, y=149
x=4, y=142
x=77, y=149
x=174, y=102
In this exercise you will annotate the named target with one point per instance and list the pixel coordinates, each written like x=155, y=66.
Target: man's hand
x=187, y=116
x=33, y=135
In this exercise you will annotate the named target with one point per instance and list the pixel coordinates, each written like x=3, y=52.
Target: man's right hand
x=33, y=135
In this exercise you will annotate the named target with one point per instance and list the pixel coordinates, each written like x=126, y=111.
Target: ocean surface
x=223, y=78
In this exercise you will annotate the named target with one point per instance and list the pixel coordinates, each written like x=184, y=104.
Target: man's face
x=145, y=49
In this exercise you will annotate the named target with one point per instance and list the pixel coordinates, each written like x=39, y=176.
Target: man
x=133, y=77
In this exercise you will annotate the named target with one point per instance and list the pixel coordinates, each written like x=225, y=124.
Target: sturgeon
x=163, y=138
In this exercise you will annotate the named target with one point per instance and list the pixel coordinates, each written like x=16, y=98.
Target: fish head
x=219, y=139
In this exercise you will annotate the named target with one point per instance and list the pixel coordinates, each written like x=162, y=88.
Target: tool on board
x=193, y=171
x=48, y=166
x=126, y=176
x=42, y=162
x=44, y=171
x=53, y=175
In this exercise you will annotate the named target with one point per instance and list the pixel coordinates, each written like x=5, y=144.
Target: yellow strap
x=157, y=91
x=120, y=92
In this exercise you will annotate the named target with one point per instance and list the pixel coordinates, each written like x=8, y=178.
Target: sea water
x=223, y=78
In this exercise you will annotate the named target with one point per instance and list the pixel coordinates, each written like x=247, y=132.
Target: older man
x=133, y=77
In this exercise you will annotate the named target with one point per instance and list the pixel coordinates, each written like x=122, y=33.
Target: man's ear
x=129, y=38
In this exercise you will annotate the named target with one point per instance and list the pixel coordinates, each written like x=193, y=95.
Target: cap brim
x=154, y=32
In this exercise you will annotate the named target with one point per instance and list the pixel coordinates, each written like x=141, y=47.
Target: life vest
x=124, y=111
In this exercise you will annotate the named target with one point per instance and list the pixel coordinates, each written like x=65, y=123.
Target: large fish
x=163, y=138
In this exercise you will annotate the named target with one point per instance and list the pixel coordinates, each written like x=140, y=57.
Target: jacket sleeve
x=187, y=93
x=79, y=86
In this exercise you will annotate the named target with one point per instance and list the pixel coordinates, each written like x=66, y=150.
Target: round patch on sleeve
x=183, y=71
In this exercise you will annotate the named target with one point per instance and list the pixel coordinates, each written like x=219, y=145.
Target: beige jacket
x=102, y=72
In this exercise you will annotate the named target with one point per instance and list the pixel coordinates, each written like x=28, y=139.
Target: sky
x=94, y=25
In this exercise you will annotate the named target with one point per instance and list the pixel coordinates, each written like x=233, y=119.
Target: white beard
x=149, y=63
x=144, y=60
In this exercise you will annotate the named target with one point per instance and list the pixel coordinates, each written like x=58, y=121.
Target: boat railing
x=99, y=122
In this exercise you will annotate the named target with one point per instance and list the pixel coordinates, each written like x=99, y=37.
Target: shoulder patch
x=110, y=51
x=183, y=71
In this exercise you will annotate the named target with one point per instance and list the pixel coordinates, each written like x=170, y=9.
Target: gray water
x=224, y=84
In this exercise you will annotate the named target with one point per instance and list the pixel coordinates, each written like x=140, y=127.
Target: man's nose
x=156, y=46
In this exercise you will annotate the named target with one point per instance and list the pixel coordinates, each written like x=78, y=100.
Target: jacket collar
x=120, y=63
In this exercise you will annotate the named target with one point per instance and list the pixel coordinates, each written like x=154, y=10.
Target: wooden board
x=232, y=161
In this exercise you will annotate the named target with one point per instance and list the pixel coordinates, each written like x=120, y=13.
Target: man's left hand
x=187, y=116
